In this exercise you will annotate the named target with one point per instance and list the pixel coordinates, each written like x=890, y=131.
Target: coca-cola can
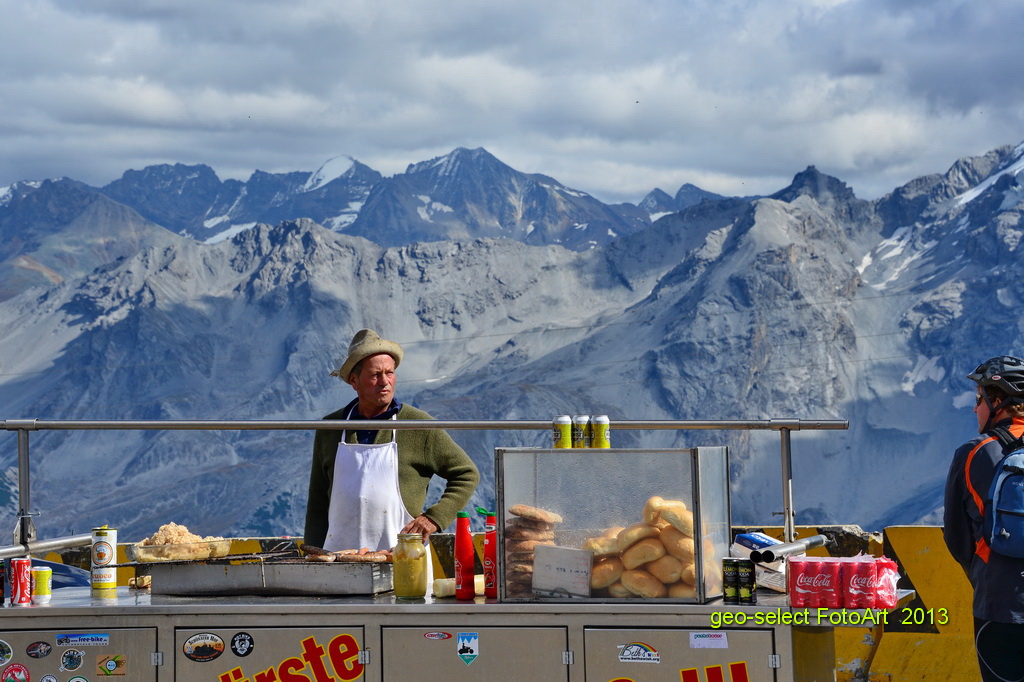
x=860, y=581
x=21, y=582
x=799, y=594
x=831, y=589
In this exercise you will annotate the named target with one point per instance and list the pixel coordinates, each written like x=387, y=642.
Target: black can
x=747, y=581
x=730, y=581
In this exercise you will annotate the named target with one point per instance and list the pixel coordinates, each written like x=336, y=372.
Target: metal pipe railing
x=25, y=531
x=42, y=546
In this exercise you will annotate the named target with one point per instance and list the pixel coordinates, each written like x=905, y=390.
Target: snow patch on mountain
x=332, y=169
x=230, y=232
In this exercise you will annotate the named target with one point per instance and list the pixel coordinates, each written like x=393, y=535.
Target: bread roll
x=534, y=513
x=641, y=552
x=682, y=591
x=619, y=591
x=520, y=522
x=667, y=569
x=513, y=546
x=601, y=546
x=652, y=508
x=630, y=535
x=519, y=533
x=679, y=516
x=611, y=532
x=689, y=574
x=677, y=544
x=643, y=584
x=606, y=572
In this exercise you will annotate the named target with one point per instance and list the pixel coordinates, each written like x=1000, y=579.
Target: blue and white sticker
x=83, y=639
x=469, y=646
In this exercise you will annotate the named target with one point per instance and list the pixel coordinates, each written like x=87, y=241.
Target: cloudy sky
x=613, y=97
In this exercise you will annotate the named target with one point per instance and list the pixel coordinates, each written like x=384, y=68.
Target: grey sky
x=613, y=97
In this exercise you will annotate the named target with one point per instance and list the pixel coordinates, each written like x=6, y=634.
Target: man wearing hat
x=366, y=487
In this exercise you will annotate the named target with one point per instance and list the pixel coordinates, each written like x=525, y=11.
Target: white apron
x=366, y=507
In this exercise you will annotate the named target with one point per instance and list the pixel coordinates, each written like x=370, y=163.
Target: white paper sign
x=561, y=571
x=709, y=640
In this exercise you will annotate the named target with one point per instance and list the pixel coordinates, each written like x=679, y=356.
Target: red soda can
x=800, y=592
x=21, y=582
x=832, y=584
x=859, y=583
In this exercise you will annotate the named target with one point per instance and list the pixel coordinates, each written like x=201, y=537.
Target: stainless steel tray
x=290, y=577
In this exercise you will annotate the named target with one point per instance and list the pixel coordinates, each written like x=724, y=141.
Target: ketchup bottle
x=490, y=553
x=465, y=583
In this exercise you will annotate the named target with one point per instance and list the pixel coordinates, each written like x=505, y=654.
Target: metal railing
x=25, y=541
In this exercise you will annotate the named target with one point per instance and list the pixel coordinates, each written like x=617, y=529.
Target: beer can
x=599, y=428
x=42, y=584
x=562, y=431
x=104, y=555
x=581, y=431
x=747, y=581
x=21, y=582
x=730, y=581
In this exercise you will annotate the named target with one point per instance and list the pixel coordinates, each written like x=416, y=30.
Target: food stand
x=263, y=625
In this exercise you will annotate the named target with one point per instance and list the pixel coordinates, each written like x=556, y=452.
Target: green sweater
x=421, y=455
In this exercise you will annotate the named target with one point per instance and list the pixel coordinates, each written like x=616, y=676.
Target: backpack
x=1003, y=525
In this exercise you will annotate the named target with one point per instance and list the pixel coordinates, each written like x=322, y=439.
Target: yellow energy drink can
x=581, y=431
x=561, y=427
x=599, y=428
x=104, y=556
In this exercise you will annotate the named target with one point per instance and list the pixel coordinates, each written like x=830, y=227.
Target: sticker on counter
x=242, y=644
x=6, y=652
x=638, y=652
x=72, y=659
x=112, y=665
x=15, y=672
x=437, y=635
x=84, y=639
x=48, y=678
x=78, y=678
x=469, y=646
x=709, y=640
x=203, y=647
x=38, y=650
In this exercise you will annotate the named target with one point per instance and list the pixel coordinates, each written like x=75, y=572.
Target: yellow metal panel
x=945, y=599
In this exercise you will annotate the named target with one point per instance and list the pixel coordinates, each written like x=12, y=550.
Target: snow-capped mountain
x=471, y=194
x=809, y=303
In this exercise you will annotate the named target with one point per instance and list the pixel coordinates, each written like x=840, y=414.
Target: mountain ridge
x=806, y=304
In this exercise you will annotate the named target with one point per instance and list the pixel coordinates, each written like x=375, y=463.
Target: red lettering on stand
x=233, y=675
x=344, y=653
x=689, y=675
x=738, y=671
x=714, y=673
x=286, y=671
x=313, y=654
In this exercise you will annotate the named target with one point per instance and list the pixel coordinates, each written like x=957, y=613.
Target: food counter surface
x=262, y=638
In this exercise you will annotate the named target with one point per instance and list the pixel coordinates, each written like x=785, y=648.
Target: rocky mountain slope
x=808, y=304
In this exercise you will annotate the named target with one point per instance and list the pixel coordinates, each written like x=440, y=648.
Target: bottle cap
x=463, y=515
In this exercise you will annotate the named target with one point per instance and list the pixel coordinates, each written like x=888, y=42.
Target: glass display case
x=605, y=524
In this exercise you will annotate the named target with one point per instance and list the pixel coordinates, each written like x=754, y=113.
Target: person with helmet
x=367, y=486
x=998, y=580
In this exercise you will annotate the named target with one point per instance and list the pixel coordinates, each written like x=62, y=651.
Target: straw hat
x=364, y=344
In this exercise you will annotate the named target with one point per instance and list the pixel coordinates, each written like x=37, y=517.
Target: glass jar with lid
x=410, y=569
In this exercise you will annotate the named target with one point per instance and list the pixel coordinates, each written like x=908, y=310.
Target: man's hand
x=422, y=525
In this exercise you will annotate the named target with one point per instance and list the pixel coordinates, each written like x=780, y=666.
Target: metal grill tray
x=259, y=575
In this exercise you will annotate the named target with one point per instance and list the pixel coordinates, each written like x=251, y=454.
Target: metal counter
x=138, y=636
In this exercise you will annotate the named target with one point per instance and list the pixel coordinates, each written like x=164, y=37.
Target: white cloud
x=613, y=97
